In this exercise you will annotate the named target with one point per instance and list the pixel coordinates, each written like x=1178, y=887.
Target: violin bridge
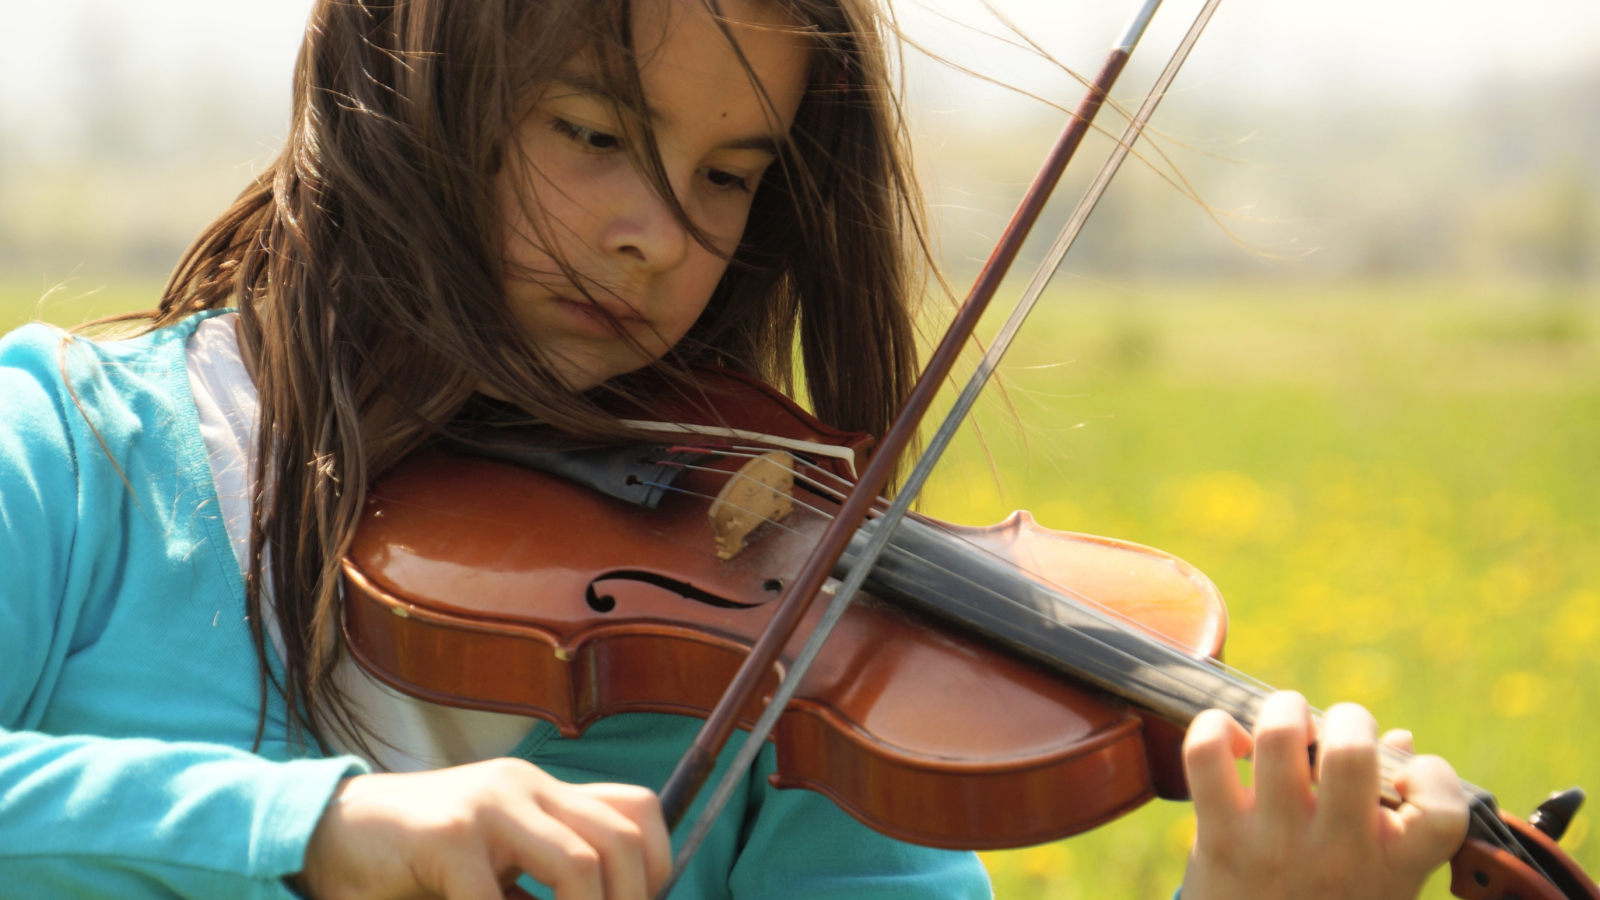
x=761, y=491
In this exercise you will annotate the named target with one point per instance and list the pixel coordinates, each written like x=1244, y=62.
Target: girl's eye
x=588, y=137
x=727, y=180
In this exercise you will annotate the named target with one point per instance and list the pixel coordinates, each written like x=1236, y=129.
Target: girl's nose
x=644, y=232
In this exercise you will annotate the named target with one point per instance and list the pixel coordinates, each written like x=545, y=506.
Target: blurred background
x=1348, y=370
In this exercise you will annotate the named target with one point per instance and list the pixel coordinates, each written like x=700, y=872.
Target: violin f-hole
x=602, y=601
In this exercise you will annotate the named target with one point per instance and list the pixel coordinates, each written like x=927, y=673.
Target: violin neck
x=934, y=572
x=937, y=573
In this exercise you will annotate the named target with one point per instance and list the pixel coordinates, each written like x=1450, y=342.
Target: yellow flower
x=1517, y=694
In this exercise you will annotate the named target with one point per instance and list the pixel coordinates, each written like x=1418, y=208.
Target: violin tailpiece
x=761, y=491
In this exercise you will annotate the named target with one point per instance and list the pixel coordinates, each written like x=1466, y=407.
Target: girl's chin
x=585, y=349
x=581, y=370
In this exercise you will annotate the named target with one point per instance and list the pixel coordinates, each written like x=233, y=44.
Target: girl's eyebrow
x=582, y=85
x=762, y=143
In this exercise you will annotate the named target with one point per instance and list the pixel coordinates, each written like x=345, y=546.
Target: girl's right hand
x=467, y=833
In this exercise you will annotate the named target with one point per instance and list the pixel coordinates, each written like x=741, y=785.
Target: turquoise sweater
x=129, y=692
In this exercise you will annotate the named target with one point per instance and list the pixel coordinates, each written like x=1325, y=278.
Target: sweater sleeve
x=799, y=844
x=127, y=817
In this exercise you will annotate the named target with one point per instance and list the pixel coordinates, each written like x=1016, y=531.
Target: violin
x=1000, y=686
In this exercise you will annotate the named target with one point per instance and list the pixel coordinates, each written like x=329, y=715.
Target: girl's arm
x=121, y=614
x=89, y=817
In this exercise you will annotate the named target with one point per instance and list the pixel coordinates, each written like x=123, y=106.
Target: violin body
x=487, y=585
x=483, y=584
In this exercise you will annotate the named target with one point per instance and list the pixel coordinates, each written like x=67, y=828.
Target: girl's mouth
x=598, y=319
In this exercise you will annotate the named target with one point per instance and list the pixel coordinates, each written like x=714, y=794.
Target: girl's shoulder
x=56, y=354
x=98, y=415
x=48, y=372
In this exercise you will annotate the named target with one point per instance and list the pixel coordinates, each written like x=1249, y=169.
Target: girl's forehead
x=689, y=56
x=657, y=22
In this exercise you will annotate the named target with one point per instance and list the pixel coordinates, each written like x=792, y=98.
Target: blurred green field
x=1395, y=486
x=71, y=302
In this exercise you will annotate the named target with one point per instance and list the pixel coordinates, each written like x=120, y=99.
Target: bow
x=697, y=763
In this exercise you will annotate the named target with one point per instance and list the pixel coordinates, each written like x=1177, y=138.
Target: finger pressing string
x=1283, y=731
x=1348, y=769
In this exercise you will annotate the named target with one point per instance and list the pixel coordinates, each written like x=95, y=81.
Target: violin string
x=1083, y=599
x=731, y=454
x=901, y=553
x=765, y=519
x=1086, y=602
x=712, y=469
x=837, y=486
x=951, y=574
x=752, y=449
x=834, y=492
x=762, y=516
x=1391, y=759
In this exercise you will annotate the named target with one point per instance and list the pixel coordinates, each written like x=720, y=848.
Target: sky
x=1426, y=49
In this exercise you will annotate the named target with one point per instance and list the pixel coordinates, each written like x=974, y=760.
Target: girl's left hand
x=1282, y=839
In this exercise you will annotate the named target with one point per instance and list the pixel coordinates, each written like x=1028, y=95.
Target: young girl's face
x=716, y=135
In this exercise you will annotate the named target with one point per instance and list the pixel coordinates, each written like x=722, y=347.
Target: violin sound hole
x=602, y=600
x=772, y=584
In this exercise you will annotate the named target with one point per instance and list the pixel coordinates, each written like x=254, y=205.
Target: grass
x=1395, y=486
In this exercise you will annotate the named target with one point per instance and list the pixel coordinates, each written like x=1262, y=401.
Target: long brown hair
x=366, y=266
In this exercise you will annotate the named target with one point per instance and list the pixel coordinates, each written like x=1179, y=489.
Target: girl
x=550, y=203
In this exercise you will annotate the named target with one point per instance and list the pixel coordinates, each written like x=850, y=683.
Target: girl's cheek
x=722, y=218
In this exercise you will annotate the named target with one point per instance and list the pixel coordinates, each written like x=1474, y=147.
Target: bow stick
x=697, y=763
